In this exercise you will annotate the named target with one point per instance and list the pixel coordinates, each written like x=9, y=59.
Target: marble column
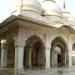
x=3, y=55
x=70, y=57
x=69, y=53
x=19, y=54
x=47, y=51
x=30, y=57
x=47, y=56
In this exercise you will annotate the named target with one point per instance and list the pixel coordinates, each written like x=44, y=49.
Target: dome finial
x=64, y=6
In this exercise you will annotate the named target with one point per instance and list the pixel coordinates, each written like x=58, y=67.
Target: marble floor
x=57, y=71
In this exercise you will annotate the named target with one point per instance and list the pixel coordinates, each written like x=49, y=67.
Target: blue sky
x=6, y=5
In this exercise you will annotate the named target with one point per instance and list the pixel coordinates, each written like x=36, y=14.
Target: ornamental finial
x=64, y=5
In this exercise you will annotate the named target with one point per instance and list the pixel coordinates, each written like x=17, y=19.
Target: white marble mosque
x=37, y=35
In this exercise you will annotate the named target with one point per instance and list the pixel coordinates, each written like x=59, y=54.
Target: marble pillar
x=19, y=54
x=47, y=56
x=3, y=55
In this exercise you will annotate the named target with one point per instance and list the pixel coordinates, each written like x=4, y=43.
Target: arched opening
x=68, y=28
x=37, y=55
x=34, y=52
x=10, y=53
x=58, y=53
x=73, y=57
x=73, y=47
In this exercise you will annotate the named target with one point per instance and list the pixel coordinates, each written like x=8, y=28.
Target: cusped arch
x=69, y=28
x=59, y=42
x=34, y=50
x=10, y=52
x=34, y=38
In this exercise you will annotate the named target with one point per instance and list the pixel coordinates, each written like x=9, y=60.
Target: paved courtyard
x=60, y=71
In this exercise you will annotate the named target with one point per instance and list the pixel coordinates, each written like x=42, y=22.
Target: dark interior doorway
x=59, y=59
x=10, y=53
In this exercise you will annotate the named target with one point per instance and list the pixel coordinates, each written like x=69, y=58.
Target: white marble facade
x=37, y=36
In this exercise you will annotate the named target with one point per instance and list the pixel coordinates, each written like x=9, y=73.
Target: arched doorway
x=58, y=53
x=73, y=57
x=10, y=53
x=73, y=47
x=34, y=52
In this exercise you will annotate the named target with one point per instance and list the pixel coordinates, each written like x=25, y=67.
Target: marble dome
x=51, y=8
x=33, y=5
